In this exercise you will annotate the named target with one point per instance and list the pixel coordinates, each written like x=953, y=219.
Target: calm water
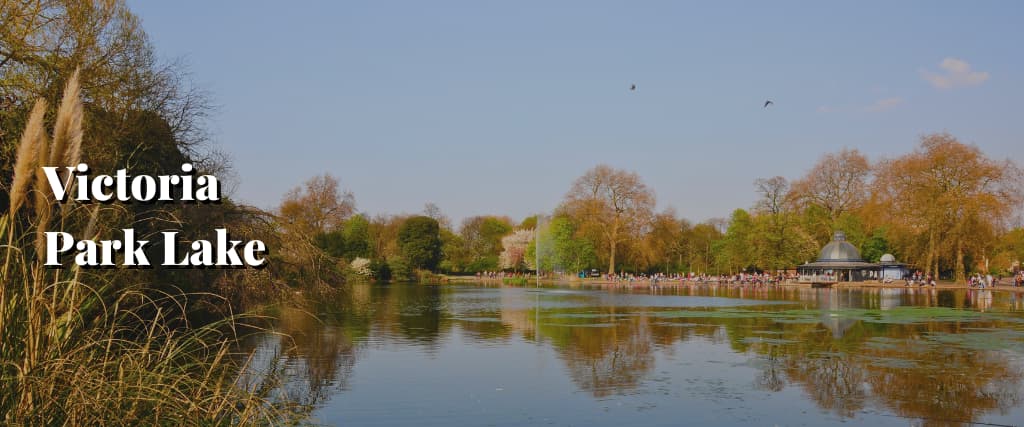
x=477, y=355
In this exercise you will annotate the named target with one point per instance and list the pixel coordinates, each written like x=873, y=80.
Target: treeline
x=329, y=243
x=945, y=208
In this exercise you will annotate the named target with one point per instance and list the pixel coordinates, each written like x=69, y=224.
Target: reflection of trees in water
x=831, y=381
x=842, y=364
x=947, y=386
x=415, y=313
x=605, y=359
x=487, y=327
x=315, y=349
x=314, y=358
x=915, y=378
x=772, y=377
x=839, y=363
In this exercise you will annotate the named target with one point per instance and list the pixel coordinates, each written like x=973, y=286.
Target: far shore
x=1008, y=286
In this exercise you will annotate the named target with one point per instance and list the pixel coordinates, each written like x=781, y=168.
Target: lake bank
x=596, y=282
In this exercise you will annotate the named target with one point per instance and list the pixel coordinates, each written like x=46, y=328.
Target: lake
x=454, y=355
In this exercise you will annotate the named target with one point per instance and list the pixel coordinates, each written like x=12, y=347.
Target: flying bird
x=632, y=87
x=767, y=103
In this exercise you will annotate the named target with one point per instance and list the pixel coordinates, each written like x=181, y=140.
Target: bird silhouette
x=632, y=87
x=767, y=103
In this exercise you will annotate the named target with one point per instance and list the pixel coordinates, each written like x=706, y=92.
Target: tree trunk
x=613, y=242
x=611, y=257
x=931, y=252
x=960, y=273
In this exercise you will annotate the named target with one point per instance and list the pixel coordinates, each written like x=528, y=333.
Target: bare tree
x=838, y=183
x=773, y=193
x=317, y=207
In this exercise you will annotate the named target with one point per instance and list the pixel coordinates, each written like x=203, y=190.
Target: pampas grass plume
x=27, y=155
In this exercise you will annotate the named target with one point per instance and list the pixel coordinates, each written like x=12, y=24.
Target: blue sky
x=496, y=107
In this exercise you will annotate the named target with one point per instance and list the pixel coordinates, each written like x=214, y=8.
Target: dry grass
x=101, y=353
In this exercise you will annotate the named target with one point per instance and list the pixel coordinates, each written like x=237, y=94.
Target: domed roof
x=839, y=250
x=887, y=258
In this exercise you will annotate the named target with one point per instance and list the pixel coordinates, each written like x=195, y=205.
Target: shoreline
x=676, y=284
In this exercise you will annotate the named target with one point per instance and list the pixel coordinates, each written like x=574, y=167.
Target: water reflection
x=942, y=357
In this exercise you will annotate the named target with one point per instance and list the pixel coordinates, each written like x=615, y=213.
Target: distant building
x=889, y=269
x=840, y=261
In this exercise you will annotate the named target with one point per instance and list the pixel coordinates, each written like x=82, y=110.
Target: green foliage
x=332, y=243
x=852, y=225
x=400, y=270
x=817, y=222
x=515, y=281
x=875, y=246
x=735, y=252
x=454, y=255
x=778, y=243
x=705, y=247
x=381, y=270
x=562, y=248
x=419, y=240
x=350, y=241
x=489, y=263
x=529, y=222
x=356, y=231
x=477, y=243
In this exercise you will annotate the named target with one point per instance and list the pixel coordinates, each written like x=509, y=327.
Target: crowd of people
x=502, y=274
x=920, y=279
x=662, y=279
x=917, y=278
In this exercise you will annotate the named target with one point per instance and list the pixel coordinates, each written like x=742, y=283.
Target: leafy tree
x=419, y=240
x=946, y=202
x=380, y=270
x=875, y=246
x=663, y=246
x=778, y=242
x=704, y=244
x=349, y=241
x=453, y=252
x=561, y=248
x=332, y=243
x=481, y=237
x=735, y=252
x=383, y=231
x=1009, y=251
x=356, y=231
x=529, y=222
x=612, y=205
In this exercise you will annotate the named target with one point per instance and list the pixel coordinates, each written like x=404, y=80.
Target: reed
x=77, y=349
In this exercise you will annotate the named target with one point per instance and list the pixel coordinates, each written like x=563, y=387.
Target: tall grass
x=100, y=353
